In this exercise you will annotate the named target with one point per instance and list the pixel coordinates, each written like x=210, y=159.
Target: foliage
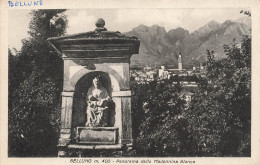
x=189, y=78
x=35, y=82
x=220, y=111
x=246, y=13
x=159, y=128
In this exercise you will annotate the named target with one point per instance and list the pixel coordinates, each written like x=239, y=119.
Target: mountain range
x=159, y=47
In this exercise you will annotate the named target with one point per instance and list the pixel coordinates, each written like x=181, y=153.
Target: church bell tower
x=179, y=61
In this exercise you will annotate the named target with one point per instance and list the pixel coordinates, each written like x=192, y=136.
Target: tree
x=159, y=128
x=220, y=111
x=35, y=87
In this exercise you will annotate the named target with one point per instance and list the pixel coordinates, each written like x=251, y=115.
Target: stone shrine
x=106, y=55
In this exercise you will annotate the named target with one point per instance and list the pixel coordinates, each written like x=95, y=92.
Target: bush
x=159, y=127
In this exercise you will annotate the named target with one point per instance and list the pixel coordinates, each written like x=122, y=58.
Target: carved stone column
x=123, y=112
x=66, y=118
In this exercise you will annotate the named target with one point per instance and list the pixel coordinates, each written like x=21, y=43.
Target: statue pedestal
x=95, y=147
x=97, y=135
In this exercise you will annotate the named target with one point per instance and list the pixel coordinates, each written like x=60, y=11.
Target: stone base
x=96, y=147
x=97, y=135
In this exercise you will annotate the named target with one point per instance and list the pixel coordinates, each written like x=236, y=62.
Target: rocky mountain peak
x=245, y=20
x=210, y=26
x=140, y=28
x=212, y=23
x=177, y=34
x=159, y=47
x=227, y=22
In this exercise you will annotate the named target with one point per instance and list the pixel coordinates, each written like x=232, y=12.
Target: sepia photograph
x=176, y=84
x=129, y=83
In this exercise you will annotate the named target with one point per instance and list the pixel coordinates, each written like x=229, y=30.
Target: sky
x=122, y=20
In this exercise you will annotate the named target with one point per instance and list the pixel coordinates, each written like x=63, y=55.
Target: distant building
x=203, y=69
x=167, y=73
x=147, y=68
x=180, y=61
x=189, y=72
x=163, y=73
x=143, y=75
x=201, y=66
x=151, y=74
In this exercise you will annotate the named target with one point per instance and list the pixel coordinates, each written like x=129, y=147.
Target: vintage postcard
x=130, y=82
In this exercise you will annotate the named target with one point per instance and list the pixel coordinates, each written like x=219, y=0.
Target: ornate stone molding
x=121, y=94
x=67, y=94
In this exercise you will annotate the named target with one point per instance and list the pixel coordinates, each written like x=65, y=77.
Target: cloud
x=130, y=18
x=203, y=16
x=126, y=19
x=18, y=25
x=80, y=22
x=123, y=20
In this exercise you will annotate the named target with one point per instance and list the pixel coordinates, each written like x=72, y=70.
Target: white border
x=74, y=4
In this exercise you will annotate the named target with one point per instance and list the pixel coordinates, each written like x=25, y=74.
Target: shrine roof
x=99, y=38
x=94, y=35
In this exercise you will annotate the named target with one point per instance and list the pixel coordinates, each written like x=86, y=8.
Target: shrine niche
x=96, y=116
x=80, y=98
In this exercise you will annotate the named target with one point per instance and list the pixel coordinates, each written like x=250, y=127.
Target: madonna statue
x=97, y=105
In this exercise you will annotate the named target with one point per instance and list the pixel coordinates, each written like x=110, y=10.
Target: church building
x=179, y=61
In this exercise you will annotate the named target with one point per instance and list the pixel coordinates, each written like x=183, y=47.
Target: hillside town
x=187, y=78
x=147, y=73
